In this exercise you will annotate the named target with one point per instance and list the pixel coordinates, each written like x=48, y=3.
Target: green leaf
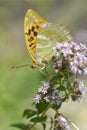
x=68, y=84
x=64, y=99
x=44, y=126
x=38, y=119
x=61, y=88
x=28, y=113
x=42, y=106
x=19, y=125
x=56, y=106
x=55, y=79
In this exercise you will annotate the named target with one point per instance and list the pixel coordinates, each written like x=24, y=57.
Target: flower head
x=72, y=57
x=78, y=90
x=61, y=124
x=37, y=98
x=43, y=89
x=55, y=98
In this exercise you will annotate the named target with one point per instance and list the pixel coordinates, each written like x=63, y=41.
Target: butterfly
x=41, y=36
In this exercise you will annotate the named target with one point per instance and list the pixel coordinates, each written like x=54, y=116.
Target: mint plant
x=62, y=83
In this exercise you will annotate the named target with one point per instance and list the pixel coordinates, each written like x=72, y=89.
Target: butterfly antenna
x=13, y=67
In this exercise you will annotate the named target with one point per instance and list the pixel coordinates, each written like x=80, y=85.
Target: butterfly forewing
x=32, y=24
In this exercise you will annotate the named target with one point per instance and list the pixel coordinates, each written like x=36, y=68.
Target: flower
x=55, y=98
x=71, y=57
x=79, y=90
x=37, y=98
x=85, y=70
x=61, y=124
x=44, y=87
x=49, y=93
x=42, y=91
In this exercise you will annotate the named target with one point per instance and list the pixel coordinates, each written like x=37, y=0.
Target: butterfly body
x=41, y=36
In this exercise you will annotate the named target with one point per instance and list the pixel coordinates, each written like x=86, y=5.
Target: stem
x=29, y=127
x=70, y=122
x=76, y=128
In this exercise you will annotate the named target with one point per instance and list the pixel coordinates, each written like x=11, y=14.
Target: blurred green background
x=18, y=86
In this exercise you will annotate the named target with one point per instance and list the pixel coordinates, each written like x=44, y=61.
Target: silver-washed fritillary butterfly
x=41, y=36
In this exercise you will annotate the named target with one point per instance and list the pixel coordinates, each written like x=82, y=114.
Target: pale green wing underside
x=48, y=35
x=40, y=42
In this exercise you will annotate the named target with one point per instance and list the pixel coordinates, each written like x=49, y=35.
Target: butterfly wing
x=48, y=35
x=41, y=36
x=32, y=24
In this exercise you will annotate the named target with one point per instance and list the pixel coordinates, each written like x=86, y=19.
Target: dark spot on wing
x=37, y=27
x=29, y=31
x=31, y=44
x=32, y=28
x=35, y=33
x=31, y=39
x=26, y=33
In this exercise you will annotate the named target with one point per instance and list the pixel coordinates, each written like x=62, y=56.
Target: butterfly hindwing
x=48, y=35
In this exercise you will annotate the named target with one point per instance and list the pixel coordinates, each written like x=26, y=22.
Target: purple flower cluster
x=48, y=93
x=72, y=57
x=51, y=94
x=42, y=91
x=61, y=124
x=79, y=90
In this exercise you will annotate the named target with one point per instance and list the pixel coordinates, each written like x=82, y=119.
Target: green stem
x=70, y=122
x=29, y=127
x=76, y=128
